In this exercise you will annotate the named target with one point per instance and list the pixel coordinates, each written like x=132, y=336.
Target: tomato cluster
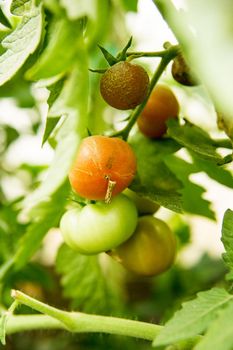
x=142, y=244
x=121, y=224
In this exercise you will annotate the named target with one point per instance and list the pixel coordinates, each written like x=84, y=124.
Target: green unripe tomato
x=144, y=205
x=99, y=227
x=150, y=250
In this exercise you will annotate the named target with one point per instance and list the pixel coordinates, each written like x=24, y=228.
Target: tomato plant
x=161, y=106
x=124, y=85
x=99, y=227
x=150, y=251
x=63, y=65
x=102, y=159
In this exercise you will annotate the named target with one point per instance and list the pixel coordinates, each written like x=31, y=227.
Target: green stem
x=77, y=322
x=170, y=54
x=139, y=54
x=60, y=315
x=223, y=143
x=21, y=323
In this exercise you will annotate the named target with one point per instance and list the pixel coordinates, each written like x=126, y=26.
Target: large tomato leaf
x=20, y=43
x=154, y=179
x=85, y=284
x=194, y=317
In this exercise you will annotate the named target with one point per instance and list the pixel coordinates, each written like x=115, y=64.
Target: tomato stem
x=111, y=185
x=132, y=55
x=168, y=55
x=78, y=322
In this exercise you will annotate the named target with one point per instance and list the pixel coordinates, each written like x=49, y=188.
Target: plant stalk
x=76, y=321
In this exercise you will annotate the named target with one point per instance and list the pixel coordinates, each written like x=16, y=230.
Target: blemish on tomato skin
x=109, y=163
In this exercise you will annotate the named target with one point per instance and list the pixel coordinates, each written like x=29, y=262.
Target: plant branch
x=139, y=54
x=21, y=323
x=171, y=52
x=76, y=321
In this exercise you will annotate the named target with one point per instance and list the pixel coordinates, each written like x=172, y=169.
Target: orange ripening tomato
x=161, y=106
x=101, y=159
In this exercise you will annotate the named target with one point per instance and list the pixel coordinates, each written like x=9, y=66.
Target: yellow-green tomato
x=99, y=227
x=150, y=251
x=144, y=205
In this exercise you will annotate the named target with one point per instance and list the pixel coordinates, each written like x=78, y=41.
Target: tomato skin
x=100, y=159
x=161, y=106
x=144, y=205
x=150, y=250
x=99, y=227
x=124, y=85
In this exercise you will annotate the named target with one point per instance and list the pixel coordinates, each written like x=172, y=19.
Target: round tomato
x=161, y=106
x=101, y=161
x=144, y=205
x=99, y=227
x=124, y=85
x=150, y=250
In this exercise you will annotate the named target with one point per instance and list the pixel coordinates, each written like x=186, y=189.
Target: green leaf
x=154, y=179
x=200, y=46
x=219, y=340
x=130, y=5
x=60, y=53
x=227, y=239
x=72, y=102
x=45, y=215
x=20, y=89
x=194, y=317
x=4, y=20
x=79, y=8
x=198, y=205
x=50, y=125
x=214, y=171
x=194, y=138
x=3, y=321
x=51, y=122
x=122, y=55
x=20, y=7
x=108, y=56
x=11, y=135
x=22, y=42
x=84, y=282
x=58, y=170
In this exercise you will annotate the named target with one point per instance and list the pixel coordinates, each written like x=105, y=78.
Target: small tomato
x=150, y=250
x=101, y=159
x=161, y=106
x=124, y=85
